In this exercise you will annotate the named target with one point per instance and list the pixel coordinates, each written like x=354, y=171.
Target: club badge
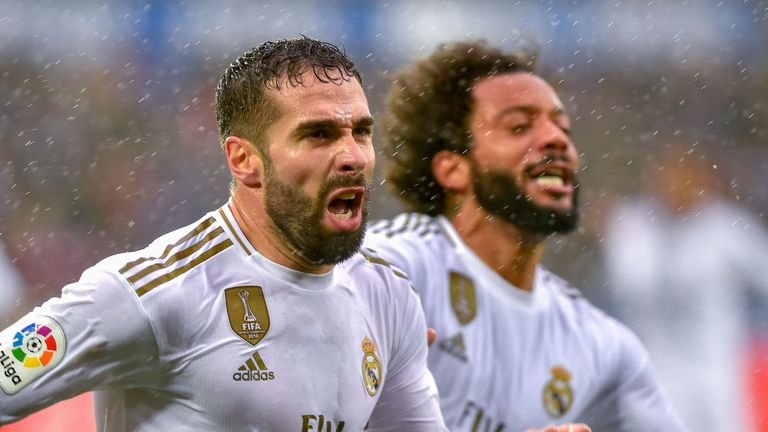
x=371, y=368
x=558, y=393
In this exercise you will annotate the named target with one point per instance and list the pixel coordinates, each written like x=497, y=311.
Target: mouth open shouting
x=345, y=208
x=326, y=228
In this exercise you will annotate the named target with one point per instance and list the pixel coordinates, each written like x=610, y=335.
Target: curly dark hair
x=243, y=105
x=429, y=107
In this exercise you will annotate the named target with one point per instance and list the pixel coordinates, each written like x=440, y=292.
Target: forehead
x=313, y=98
x=516, y=89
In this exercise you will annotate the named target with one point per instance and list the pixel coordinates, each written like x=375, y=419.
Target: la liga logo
x=34, y=345
x=29, y=353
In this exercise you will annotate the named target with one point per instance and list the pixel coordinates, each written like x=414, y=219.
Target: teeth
x=347, y=196
x=549, y=180
x=346, y=214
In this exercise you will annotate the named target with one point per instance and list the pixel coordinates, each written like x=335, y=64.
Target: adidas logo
x=254, y=369
x=455, y=346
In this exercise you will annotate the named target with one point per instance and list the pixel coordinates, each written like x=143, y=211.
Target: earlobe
x=452, y=171
x=244, y=161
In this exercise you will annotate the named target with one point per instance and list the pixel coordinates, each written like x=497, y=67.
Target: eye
x=520, y=128
x=363, y=130
x=318, y=134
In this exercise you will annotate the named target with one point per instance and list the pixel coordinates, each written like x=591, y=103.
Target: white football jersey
x=507, y=359
x=200, y=332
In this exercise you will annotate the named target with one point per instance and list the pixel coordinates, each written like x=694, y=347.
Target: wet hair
x=243, y=104
x=429, y=108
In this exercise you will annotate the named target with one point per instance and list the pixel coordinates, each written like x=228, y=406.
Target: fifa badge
x=247, y=312
x=558, y=393
x=371, y=367
x=463, y=298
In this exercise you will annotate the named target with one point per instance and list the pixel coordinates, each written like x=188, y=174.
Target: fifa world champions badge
x=371, y=368
x=558, y=394
x=28, y=350
x=247, y=312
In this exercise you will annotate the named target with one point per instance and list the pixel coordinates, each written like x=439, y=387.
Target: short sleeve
x=398, y=251
x=409, y=400
x=95, y=335
x=635, y=402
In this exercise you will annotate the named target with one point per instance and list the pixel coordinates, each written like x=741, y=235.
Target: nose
x=555, y=139
x=351, y=158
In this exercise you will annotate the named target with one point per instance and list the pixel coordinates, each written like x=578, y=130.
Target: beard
x=297, y=218
x=499, y=194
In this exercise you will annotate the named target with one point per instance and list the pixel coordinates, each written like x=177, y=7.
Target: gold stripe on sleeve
x=198, y=229
x=183, y=269
x=385, y=263
x=177, y=256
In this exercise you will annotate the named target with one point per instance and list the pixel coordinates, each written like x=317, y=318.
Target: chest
x=276, y=358
x=499, y=363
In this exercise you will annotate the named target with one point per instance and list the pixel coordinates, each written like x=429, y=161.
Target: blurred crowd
x=106, y=144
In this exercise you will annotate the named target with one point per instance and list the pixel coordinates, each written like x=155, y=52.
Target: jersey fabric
x=200, y=332
x=507, y=359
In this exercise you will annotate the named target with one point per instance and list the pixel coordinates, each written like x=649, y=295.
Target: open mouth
x=345, y=207
x=554, y=177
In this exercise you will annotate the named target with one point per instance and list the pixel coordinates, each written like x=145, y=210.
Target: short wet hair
x=244, y=107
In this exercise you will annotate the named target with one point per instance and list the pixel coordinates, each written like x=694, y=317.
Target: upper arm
x=94, y=335
x=408, y=401
x=400, y=253
x=635, y=401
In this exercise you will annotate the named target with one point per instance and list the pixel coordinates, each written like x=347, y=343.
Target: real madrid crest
x=558, y=393
x=371, y=367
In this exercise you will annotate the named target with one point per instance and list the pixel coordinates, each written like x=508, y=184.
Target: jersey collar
x=537, y=297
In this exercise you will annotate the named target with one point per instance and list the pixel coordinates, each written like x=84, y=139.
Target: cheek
x=370, y=155
x=575, y=157
x=294, y=168
x=503, y=157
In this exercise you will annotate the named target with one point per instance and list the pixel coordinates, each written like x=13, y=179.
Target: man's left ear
x=245, y=162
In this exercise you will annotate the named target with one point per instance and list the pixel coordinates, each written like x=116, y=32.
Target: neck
x=250, y=213
x=510, y=252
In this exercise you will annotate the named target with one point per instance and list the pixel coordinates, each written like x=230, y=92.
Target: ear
x=452, y=171
x=244, y=161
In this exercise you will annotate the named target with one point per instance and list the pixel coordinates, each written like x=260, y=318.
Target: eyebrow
x=313, y=125
x=529, y=109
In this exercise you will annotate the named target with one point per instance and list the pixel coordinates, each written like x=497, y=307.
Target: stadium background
x=108, y=136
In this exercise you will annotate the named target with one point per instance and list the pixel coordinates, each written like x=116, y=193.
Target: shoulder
x=168, y=257
x=561, y=287
x=408, y=240
x=593, y=322
x=368, y=264
x=405, y=227
x=613, y=347
x=383, y=289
